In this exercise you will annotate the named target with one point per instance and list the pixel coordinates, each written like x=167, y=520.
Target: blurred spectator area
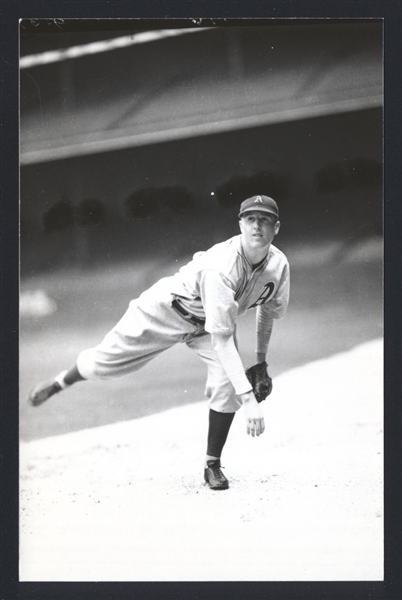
x=197, y=83
x=293, y=107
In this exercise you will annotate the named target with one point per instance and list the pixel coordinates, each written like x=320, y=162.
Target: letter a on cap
x=258, y=199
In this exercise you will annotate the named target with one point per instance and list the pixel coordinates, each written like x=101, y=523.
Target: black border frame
x=390, y=11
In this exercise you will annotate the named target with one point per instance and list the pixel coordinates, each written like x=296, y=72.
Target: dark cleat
x=43, y=392
x=214, y=477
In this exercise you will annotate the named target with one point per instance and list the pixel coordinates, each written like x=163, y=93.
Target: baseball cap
x=260, y=203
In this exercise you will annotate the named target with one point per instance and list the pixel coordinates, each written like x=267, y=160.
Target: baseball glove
x=260, y=380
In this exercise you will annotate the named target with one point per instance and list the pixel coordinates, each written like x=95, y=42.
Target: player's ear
x=241, y=225
x=277, y=227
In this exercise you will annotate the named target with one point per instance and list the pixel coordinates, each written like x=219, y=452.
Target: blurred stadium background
x=137, y=144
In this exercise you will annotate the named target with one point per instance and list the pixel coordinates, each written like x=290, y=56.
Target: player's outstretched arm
x=225, y=347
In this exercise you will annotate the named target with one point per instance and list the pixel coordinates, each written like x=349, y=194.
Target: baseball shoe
x=43, y=392
x=214, y=477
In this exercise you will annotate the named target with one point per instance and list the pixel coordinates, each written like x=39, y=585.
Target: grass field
x=334, y=307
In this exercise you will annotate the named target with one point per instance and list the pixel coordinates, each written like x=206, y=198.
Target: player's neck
x=255, y=255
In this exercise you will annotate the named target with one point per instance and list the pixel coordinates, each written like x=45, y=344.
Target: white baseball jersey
x=220, y=284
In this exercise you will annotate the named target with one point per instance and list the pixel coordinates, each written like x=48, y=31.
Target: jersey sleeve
x=220, y=306
x=277, y=306
x=264, y=324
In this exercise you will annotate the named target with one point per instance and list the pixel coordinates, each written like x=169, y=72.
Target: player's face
x=258, y=229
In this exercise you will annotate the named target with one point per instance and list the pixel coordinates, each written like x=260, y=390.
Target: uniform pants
x=150, y=326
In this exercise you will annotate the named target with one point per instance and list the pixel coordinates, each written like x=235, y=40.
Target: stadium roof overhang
x=183, y=91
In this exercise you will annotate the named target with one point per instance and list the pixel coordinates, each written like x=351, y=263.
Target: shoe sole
x=38, y=398
x=33, y=402
x=37, y=401
x=216, y=488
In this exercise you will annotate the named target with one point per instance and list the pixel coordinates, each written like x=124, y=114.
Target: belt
x=177, y=306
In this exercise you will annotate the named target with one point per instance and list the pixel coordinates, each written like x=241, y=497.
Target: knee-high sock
x=219, y=425
x=72, y=376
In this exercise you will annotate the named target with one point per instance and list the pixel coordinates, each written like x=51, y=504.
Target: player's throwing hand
x=253, y=414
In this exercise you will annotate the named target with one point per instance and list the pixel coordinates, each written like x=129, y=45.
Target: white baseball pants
x=150, y=326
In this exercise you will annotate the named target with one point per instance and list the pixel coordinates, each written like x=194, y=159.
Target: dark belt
x=177, y=306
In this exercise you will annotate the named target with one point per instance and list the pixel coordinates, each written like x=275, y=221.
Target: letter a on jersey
x=265, y=296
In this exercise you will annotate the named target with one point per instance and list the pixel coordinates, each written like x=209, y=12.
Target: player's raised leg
x=148, y=327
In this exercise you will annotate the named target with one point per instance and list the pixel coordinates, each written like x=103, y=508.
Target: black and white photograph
x=201, y=300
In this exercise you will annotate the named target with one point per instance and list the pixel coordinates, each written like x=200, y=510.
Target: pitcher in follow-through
x=199, y=306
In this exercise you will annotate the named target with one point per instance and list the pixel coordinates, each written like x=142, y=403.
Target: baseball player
x=199, y=306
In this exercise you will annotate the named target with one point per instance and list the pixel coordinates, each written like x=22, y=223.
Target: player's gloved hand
x=260, y=380
x=253, y=414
